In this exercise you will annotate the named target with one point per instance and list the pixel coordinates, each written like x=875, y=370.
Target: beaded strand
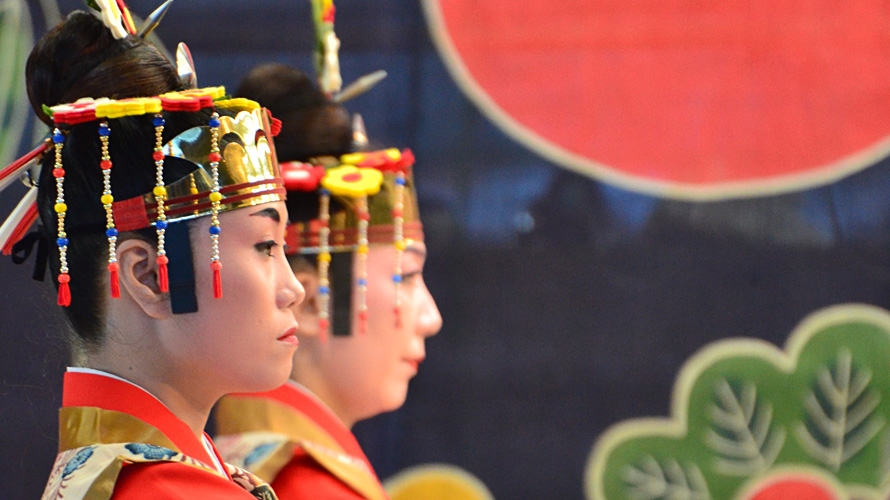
x=60, y=207
x=361, y=265
x=215, y=198
x=398, y=221
x=324, y=263
x=160, y=193
x=107, y=200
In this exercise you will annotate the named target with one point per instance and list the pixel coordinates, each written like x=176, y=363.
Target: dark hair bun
x=312, y=125
x=80, y=58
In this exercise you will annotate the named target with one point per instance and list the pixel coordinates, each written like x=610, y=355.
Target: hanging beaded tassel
x=324, y=263
x=361, y=265
x=61, y=208
x=160, y=193
x=215, y=198
x=107, y=200
x=398, y=222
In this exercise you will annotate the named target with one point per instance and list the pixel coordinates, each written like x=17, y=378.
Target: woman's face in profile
x=374, y=368
x=245, y=337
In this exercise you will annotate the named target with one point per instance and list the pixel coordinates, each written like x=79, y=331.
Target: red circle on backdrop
x=684, y=97
x=793, y=488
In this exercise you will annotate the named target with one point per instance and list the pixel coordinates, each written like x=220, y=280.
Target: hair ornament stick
x=111, y=16
x=154, y=19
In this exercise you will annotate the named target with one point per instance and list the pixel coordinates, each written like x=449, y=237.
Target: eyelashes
x=410, y=276
x=266, y=247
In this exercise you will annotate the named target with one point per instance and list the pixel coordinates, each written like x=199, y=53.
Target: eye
x=411, y=277
x=266, y=247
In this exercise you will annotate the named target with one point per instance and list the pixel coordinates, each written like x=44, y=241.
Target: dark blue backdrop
x=568, y=304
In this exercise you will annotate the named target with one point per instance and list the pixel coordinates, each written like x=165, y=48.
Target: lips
x=414, y=363
x=290, y=337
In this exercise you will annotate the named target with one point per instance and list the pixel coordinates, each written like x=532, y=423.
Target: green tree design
x=742, y=435
x=651, y=480
x=745, y=411
x=841, y=413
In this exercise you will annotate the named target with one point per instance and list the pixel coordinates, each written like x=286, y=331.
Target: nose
x=290, y=291
x=429, y=321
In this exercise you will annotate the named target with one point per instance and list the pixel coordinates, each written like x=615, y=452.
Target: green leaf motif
x=745, y=411
x=841, y=414
x=742, y=435
x=651, y=480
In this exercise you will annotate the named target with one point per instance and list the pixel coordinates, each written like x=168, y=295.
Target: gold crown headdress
x=234, y=160
x=378, y=206
x=235, y=166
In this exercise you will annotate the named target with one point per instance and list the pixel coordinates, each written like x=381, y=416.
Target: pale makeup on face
x=366, y=374
x=246, y=338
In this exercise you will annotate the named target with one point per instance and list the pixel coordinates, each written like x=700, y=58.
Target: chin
x=395, y=400
x=263, y=378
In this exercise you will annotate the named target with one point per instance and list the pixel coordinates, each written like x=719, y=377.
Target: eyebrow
x=417, y=251
x=271, y=213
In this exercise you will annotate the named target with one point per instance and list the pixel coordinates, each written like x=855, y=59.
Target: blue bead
x=324, y=289
x=161, y=224
x=62, y=242
x=363, y=282
x=397, y=278
x=111, y=232
x=58, y=138
x=214, y=122
x=325, y=192
x=104, y=130
x=400, y=181
x=158, y=121
x=215, y=230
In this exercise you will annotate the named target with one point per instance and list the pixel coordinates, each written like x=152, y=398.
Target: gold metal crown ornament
x=383, y=177
x=234, y=159
x=378, y=205
x=248, y=172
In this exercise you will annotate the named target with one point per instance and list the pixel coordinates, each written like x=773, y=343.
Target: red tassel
x=64, y=292
x=398, y=312
x=217, y=279
x=115, y=283
x=163, y=278
x=323, y=325
x=363, y=322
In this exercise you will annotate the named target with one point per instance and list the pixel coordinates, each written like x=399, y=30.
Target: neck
x=187, y=407
x=316, y=384
x=133, y=353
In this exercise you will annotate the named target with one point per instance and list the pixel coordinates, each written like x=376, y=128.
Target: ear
x=139, y=277
x=306, y=312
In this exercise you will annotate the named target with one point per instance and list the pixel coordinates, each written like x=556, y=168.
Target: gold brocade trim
x=246, y=418
x=82, y=426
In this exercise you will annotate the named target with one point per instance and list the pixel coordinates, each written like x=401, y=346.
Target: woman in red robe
x=143, y=201
x=367, y=312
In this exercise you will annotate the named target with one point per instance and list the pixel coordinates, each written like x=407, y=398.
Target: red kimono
x=291, y=439
x=117, y=441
